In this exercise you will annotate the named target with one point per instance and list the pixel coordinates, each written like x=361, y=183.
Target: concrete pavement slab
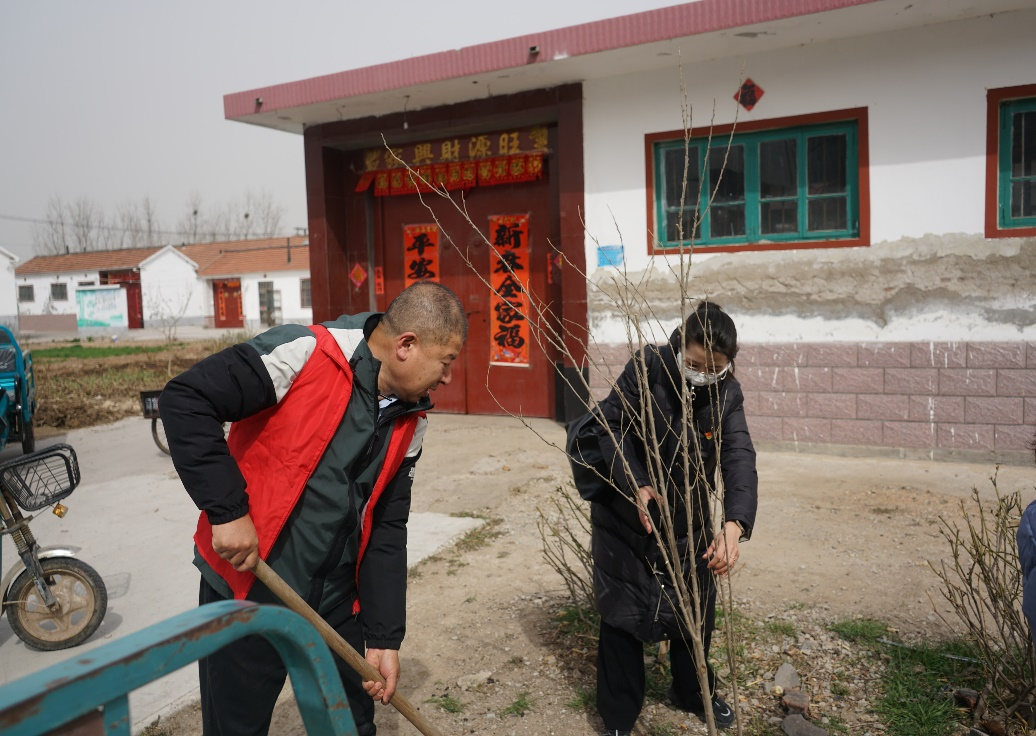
x=134, y=523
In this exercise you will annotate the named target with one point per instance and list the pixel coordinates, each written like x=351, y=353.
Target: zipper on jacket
x=334, y=556
x=661, y=591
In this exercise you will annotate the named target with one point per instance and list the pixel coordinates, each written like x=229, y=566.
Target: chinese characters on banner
x=507, y=157
x=420, y=253
x=509, y=266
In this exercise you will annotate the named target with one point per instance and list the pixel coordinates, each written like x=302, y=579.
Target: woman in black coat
x=665, y=496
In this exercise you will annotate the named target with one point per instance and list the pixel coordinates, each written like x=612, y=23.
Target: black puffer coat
x=626, y=558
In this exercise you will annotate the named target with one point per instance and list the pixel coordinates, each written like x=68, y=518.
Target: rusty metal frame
x=90, y=694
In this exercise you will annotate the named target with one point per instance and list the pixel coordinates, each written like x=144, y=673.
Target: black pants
x=620, y=666
x=240, y=682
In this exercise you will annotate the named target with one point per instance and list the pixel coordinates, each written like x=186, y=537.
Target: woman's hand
x=645, y=495
x=722, y=554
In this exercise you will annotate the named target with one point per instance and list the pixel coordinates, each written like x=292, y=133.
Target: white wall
x=8, y=292
x=925, y=91
x=43, y=304
x=288, y=283
x=172, y=291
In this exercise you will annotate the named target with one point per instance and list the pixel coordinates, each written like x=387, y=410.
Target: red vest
x=278, y=449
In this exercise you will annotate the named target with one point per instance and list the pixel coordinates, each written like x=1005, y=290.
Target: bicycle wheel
x=80, y=593
x=158, y=432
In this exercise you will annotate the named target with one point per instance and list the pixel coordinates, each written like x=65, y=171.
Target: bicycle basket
x=42, y=478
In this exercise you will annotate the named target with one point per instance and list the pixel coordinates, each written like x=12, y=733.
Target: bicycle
x=149, y=407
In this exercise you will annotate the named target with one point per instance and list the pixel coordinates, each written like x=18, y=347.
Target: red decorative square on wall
x=749, y=94
x=358, y=275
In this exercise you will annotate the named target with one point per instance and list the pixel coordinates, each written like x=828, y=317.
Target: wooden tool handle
x=334, y=640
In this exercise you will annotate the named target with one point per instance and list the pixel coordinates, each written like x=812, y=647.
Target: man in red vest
x=315, y=479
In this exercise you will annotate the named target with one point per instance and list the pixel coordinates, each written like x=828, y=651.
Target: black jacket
x=625, y=556
x=316, y=552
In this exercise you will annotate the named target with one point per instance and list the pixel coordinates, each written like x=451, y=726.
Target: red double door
x=484, y=382
x=226, y=297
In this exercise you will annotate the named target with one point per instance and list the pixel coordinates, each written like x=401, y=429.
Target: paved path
x=134, y=523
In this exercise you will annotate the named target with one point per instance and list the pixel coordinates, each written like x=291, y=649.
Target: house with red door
x=8, y=299
x=245, y=284
x=853, y=180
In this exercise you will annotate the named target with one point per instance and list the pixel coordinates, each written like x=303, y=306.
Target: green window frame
x=1016, y=164
x=781, y=185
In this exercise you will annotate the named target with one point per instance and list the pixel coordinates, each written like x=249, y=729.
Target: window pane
x=1023, y=144
x=672, y=231
x=59, y=292
x=779, y=217
x=827, y=164
x=828, y=214
x=674, y=159
x=778, y=169
x=732, y=182
x=727, y=221
x=26, y=294
x=1023, y=199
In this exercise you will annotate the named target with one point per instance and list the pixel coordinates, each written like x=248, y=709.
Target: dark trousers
x=620, y=667
x=240, y=682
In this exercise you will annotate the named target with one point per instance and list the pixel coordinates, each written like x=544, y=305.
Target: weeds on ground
x=860, y=630
x=584, y=699
x=99, y=351
x=917, y=681
x=447, y=702
x=837, y=725
x=579, y=627
x=227, y=340
x=153, y=729
x=780, y=628
x=917, y=685
x=519, y=707
x=480, y=536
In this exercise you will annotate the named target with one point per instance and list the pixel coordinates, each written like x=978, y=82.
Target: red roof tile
x=231, y=258
x=259, y=259
x=97, y=260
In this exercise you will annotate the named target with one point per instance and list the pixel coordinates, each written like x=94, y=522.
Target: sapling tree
x=565, y=528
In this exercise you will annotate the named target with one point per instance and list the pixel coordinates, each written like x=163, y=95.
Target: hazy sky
x=118, y=99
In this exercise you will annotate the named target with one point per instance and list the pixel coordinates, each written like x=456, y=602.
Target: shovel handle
x=334, y=640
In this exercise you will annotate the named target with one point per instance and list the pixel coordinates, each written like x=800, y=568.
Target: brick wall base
x=48, y=322
x=956, y=401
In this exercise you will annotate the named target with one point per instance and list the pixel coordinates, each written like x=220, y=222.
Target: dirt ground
x=836, y=538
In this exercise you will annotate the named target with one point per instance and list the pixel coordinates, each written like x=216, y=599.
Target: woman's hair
x=712, y=328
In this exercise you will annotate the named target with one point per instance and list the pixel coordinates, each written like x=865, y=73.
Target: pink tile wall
x=940, y=396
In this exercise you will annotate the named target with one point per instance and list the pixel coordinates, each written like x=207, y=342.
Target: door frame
x=339, y=240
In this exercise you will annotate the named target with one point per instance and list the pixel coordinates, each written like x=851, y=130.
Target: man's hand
x=237, y=543
x=722, y=554
x=645, y=495
x=385, y=661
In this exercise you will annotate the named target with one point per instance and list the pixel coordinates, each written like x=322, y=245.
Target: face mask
x=699, y=379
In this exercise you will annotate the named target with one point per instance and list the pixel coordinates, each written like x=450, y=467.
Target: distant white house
x=8, y=297
x=247, y=284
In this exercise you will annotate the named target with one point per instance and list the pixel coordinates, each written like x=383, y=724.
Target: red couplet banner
x=509, y=264
x=421, y=253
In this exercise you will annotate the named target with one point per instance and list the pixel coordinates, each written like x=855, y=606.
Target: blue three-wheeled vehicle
x=17, y=393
